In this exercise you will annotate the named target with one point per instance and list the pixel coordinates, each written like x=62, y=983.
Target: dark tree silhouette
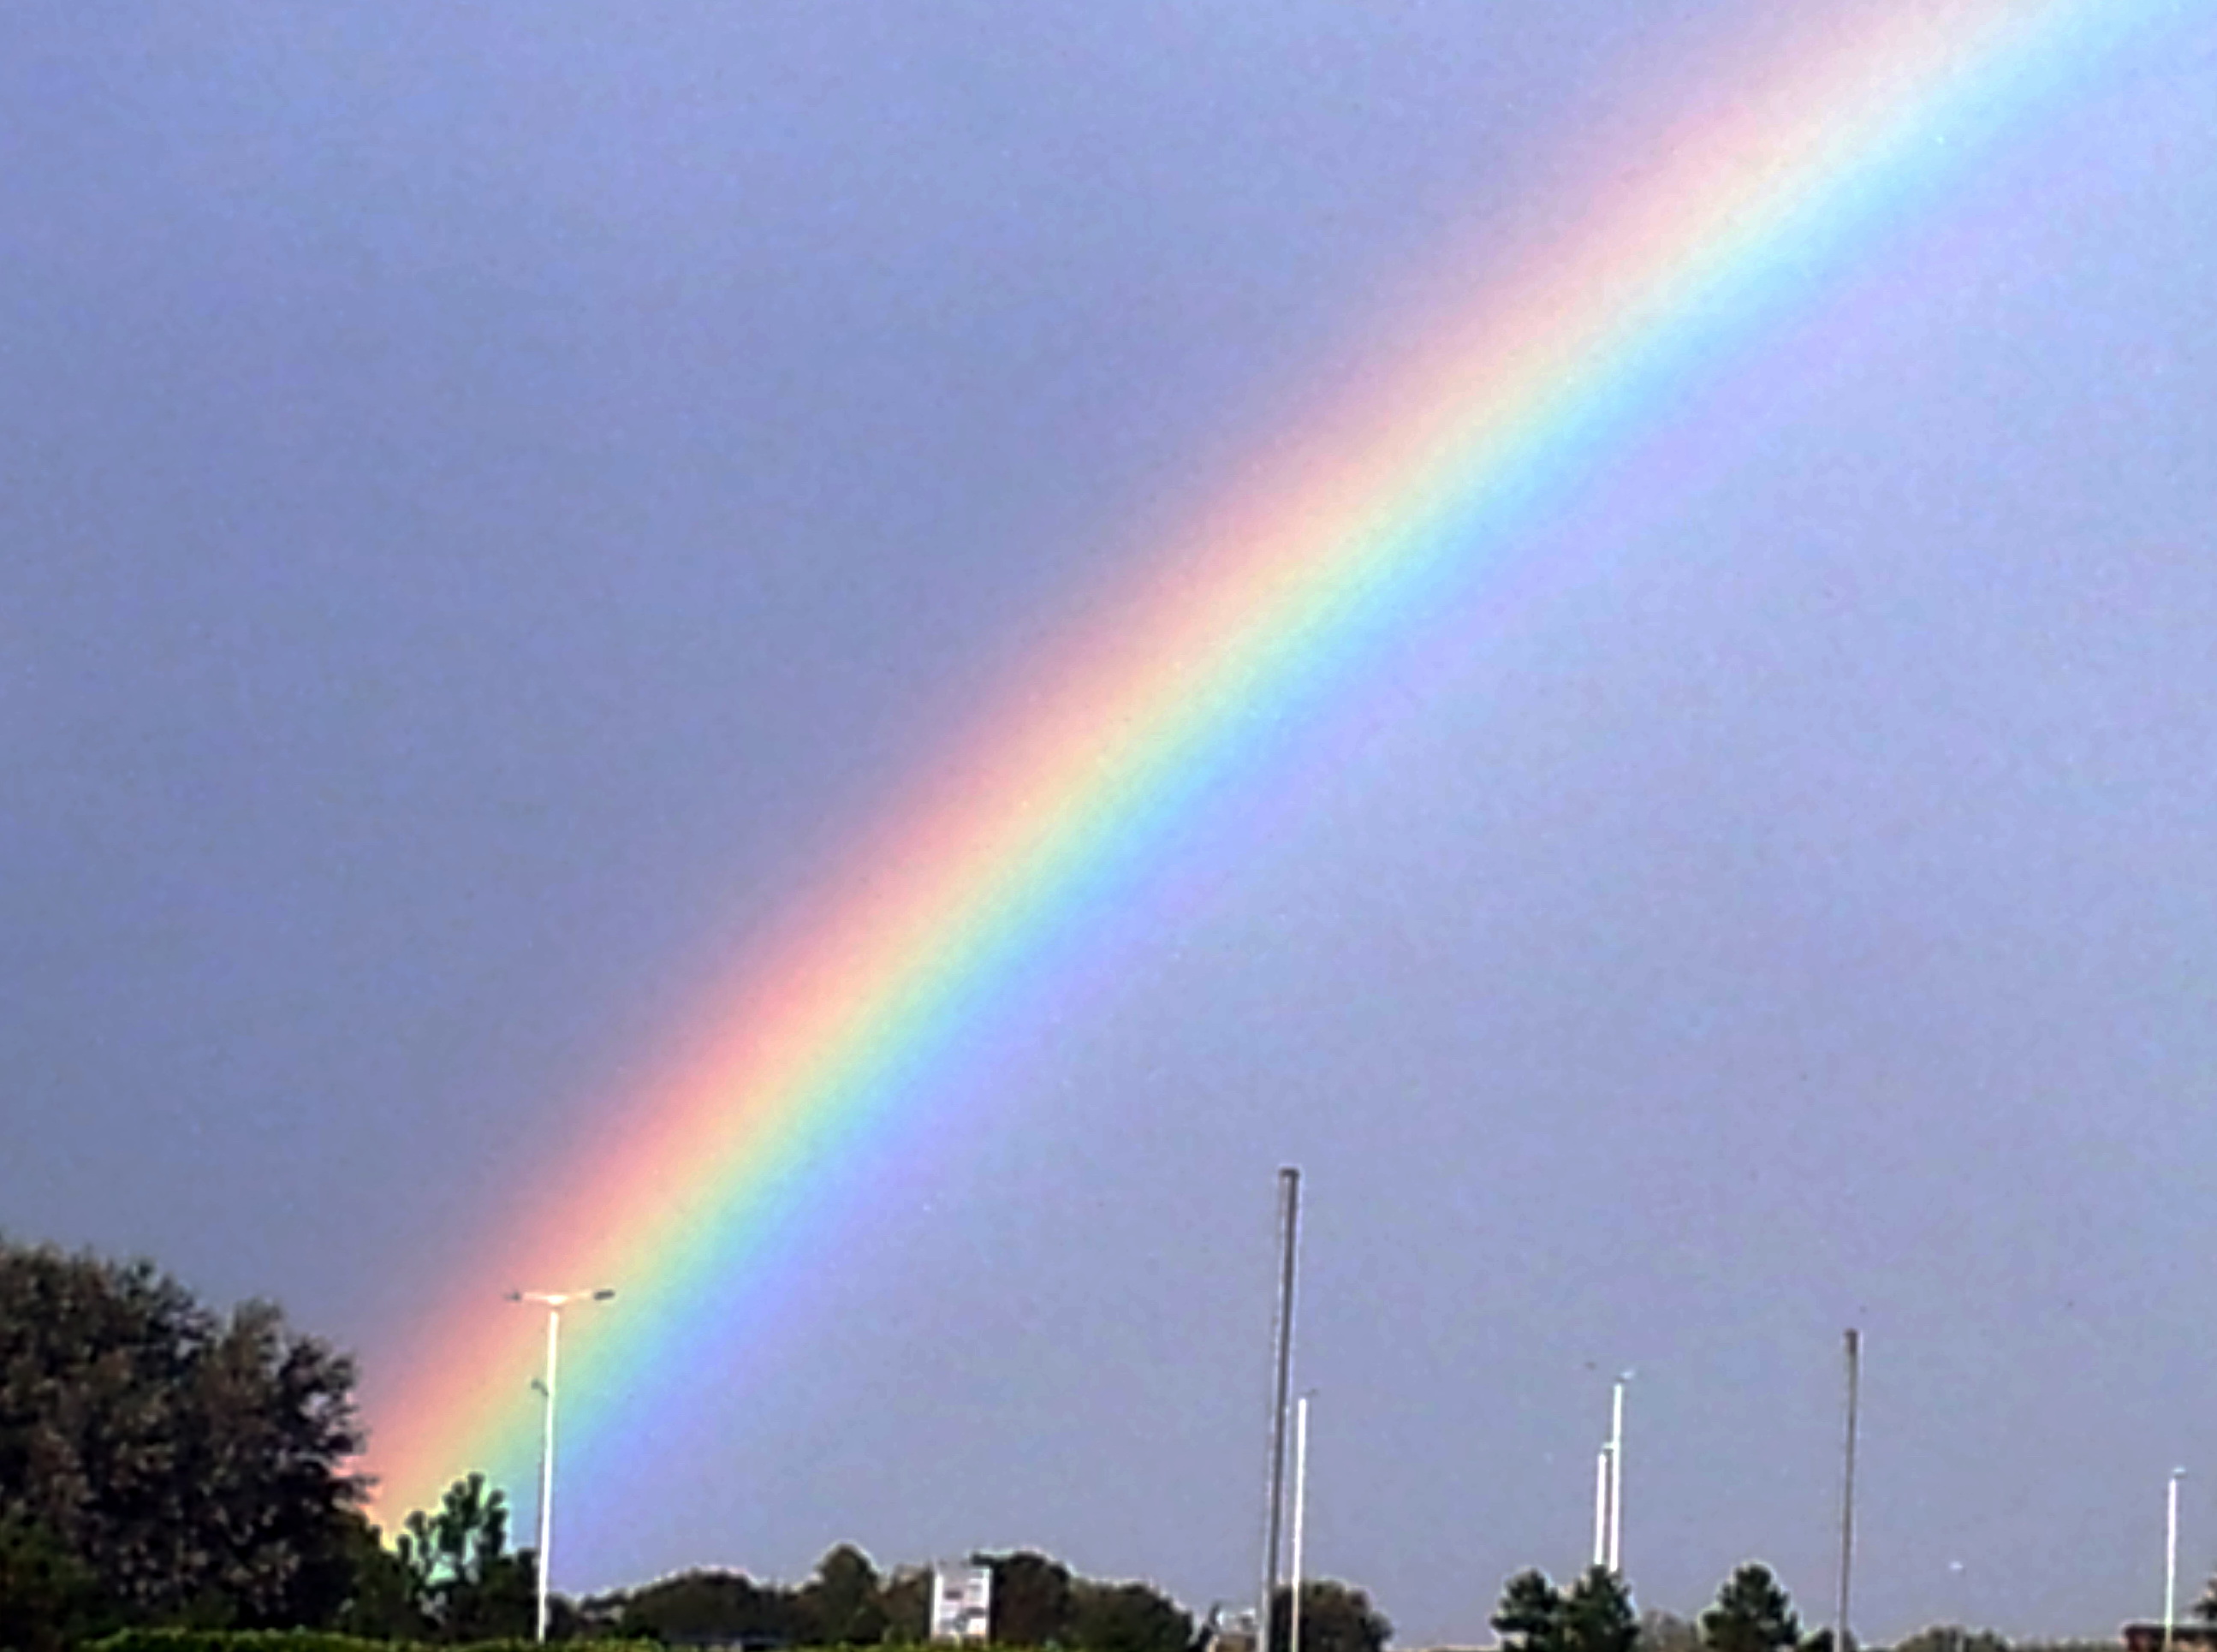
x=1598, y=1615
x=840, y=1604
x=721, y=1607
x=1128, y=1618
x=194, y=1465
x=464, y=1581
x=1335, y=1617
x=48, y=1602
x=1031, y=1603
x=1752, y=1614
x=1530, y=1616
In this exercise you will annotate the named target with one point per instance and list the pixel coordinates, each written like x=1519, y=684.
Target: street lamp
x=1616, y=1474
x=2171, y=1557
x=554, y=1301
x=1300, y=1511
x=1601, y=1508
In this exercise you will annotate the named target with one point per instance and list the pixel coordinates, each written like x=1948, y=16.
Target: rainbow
x=1353, y=532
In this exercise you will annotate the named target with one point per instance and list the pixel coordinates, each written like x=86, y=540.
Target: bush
x=310, y=1640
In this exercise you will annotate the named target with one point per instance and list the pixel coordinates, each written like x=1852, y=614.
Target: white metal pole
x=1300, y=1516
x=1616, y=1478
x=1601, y=1508
x=546, y=1466
x=553, y=1302
x=1289, y=1214
x=2170, y=1559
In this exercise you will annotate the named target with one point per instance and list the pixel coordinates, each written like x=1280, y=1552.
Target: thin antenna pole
x=1854, y=1351
x=1300, y=1512
x=1616, y=1479
x=2170, y=1559
x=1601, y=1507
x=1289, y=1211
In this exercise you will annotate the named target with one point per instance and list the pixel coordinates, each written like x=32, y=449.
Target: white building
x=961, y=1601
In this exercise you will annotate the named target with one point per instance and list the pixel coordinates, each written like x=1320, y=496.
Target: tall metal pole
x=1601, y=1507
x=1300, y=1512
x=2170, y=1559
x=1855, y=1351
x=546, y=1469
x=553, y=1302
x=1290, y=1208
x=1616, y=1476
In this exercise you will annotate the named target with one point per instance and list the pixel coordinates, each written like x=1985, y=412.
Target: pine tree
x=1752, y=1614
x=1598, y=1615
x=1530, y=1616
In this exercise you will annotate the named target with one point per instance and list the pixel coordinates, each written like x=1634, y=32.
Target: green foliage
x=301, y=1639
x=1335, y=1617
x=1031, y=1603
x=459, y=1543
x=1598, y=1614
x=1530, y=1616
x=461, y=1579
x=1953, y=1637
x=190, y=1464
x=1595, y=1615
x=48, y=1602
x=1128, y=1618
x=385, y=1602
x=1752, y=1613
x=719, y=1606
x=1036, y=1602
x=906, y=1600
x=839, y=1606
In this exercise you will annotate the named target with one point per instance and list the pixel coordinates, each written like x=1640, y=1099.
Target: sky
x=497, y=505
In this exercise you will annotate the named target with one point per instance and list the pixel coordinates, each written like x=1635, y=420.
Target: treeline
x=164, y=1466
x=1036, y=1601
x=1752, y=1612
x=162, y=1463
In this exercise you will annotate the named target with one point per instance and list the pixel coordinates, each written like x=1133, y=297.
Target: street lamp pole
x=1601, y=1508
x=1300, y=1517
x=1616, y=1475
x=553, y=1302
x=2171, y=1557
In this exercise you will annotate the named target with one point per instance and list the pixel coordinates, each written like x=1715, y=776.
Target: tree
x=48, y=1602
x=1031, y=1600
x=714, y=1606
x=383, y=1603
x=1598, y=1615
x=840, y=1604
x=193, y=1465
x=1752, y=1614
x=905, y=1598
x=464, y=1581
x=1530, y=1616
x=1953, y=1637
x=1128, y=1618
x=1335, y=1617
